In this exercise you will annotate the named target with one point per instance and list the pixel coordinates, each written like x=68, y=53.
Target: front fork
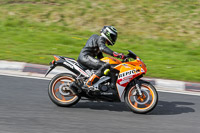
x=138, y=87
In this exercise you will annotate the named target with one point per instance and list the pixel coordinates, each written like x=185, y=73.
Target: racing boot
x=92, y=80
x=95, y=77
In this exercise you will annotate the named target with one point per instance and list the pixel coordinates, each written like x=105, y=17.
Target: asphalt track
x=26, y=108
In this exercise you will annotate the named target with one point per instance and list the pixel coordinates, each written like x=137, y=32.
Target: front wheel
x=144, y=103
x=60, y=92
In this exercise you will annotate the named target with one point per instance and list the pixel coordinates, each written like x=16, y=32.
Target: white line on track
x=180, y=92
x=160, y=90
x=25, y=76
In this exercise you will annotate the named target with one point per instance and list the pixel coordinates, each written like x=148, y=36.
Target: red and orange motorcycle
x=122, y=83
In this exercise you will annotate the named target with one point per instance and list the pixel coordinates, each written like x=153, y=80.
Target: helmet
x=110, y=33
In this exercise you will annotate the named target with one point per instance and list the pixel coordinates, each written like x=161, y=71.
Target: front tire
x=59, y=91
x=141, y=104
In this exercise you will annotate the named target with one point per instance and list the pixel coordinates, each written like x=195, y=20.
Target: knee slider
x=106, y=72
x=106, y=68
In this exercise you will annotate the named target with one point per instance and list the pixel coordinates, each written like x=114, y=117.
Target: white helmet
x=110, y=33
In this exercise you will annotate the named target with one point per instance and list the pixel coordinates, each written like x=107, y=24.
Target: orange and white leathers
x=127, y=72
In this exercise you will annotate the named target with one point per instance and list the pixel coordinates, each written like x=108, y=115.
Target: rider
x=94, y=47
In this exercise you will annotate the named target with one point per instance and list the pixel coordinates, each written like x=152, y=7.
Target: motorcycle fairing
x=138, y=62
x=127, y=73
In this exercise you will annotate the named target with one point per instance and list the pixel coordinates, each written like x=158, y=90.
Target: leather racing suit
x=94, y=47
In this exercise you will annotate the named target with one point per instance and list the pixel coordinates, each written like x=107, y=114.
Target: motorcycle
x=122, y=83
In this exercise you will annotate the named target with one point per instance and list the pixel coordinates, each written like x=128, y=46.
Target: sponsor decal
x=127, y=73
x=125, y=80
x=106, y=93
x=126, y=77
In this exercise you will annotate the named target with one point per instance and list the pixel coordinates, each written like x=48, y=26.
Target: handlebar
x=126, y=59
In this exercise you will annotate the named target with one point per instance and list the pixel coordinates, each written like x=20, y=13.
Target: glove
x=119, y=55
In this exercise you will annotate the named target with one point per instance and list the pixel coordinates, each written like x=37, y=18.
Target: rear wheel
x=60, y=92
x=144, y=103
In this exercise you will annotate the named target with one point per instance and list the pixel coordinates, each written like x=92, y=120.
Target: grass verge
x=168, y=42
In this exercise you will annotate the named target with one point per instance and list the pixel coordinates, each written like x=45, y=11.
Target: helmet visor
x=114, y=38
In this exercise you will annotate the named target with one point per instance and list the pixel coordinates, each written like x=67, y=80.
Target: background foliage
x=165, y=34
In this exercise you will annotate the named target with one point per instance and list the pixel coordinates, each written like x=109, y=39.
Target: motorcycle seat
x=67, y=58
x=82, y=66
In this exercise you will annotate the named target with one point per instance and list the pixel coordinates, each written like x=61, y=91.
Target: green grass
x=164, y=34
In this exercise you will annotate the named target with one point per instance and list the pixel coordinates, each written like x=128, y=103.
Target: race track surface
x=26, y=108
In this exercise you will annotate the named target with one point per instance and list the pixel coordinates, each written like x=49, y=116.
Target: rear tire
x=141, y=104
x=59, y=91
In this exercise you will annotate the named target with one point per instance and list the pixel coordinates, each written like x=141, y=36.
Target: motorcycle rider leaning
x=94, y=47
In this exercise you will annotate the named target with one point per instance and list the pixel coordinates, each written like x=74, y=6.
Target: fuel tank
x=111, y=60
